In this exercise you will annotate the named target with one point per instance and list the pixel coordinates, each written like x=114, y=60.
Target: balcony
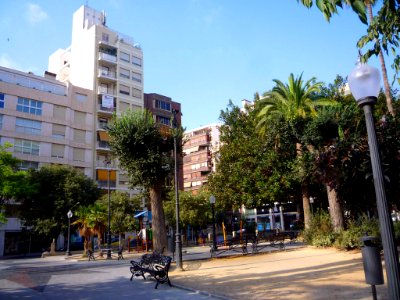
x=102, y=126
x=104, y=183
x=107, y=58
x=105, y=110
x=105, y=43
x=101, y=164
x=102, y=145
x=199, y=142
x=106, y=91
x=107, y=76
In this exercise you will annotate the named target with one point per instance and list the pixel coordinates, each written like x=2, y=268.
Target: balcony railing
x=106, y=109
x=105, y=91
x=104, y=183
x=107, y=57
x=105, y=74
x=33, y=83
x=103, y=126
x=102, y=164
x=103, y=145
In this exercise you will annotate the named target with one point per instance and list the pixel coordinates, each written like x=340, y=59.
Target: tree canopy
x=57, y=189
x=145, y=153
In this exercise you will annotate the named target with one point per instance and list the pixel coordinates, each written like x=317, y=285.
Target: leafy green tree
x=123, y=208
x=295, y=102
x=250, y=170
x=194, y=209
x=57, y=189
x=12, y=182
x=145, y=153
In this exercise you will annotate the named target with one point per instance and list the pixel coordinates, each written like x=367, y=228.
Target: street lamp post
x=177, y=234
x=69, y=215
x=108, y=162
x=364, y=82
x=212, y=201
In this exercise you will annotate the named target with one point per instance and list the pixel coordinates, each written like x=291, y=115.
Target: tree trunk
x=304, y=192
x=306, y=207
x=383, y=67
x=158, y=219
x=335, y=209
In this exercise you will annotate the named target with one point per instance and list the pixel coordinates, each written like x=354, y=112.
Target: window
x=124, y=56
x=163, y=105
x=1, y=121
x=137, y=61
x=78, y=154
x=79, y=136
x=123, y=106
x=26, y=165
x=26, y=147
x=123, y=89
x=124, y=73
x=59, y=112
x=58, y=131
x=81, y=97
x=30, y=106
x=163, y=120
x=136, y=77
x=80, y=117
x=28, y=126
x=1, y=100
x=105, y=37
x=57, y=151
x=137, y=93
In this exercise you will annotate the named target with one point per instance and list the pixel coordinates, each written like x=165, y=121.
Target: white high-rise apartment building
x=61, y=118
x=111, y=65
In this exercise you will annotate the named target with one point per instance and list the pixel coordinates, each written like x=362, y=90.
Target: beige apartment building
x=111, y=65
x=200, y=150
x=46, y=121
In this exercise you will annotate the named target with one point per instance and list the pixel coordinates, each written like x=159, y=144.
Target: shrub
x=320, y=233
x=396, y=226
x=356, y=229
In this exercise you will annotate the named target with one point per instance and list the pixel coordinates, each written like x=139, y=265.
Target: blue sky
x=201, y=53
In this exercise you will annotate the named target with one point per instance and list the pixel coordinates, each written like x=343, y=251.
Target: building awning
x=140, y=214
x=103, y=136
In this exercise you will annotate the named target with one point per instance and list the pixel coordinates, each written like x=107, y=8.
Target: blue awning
x=140, y=214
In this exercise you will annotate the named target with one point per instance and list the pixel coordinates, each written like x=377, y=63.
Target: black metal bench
x=155, y=264
x=233, y=245
x=270, y=239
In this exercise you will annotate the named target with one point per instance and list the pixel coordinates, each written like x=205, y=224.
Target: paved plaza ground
x=296, y=273
x=305, y=273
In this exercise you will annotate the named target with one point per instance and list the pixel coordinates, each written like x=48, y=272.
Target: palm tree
x=84, y=227
x=97, y=220
x=368, y=4
x=295, y=101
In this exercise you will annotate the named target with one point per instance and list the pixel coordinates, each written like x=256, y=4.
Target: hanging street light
x=364, y=82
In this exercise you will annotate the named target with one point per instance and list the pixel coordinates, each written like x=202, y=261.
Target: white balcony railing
x=107, y=91
x=107, y=74
x=108, y=57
